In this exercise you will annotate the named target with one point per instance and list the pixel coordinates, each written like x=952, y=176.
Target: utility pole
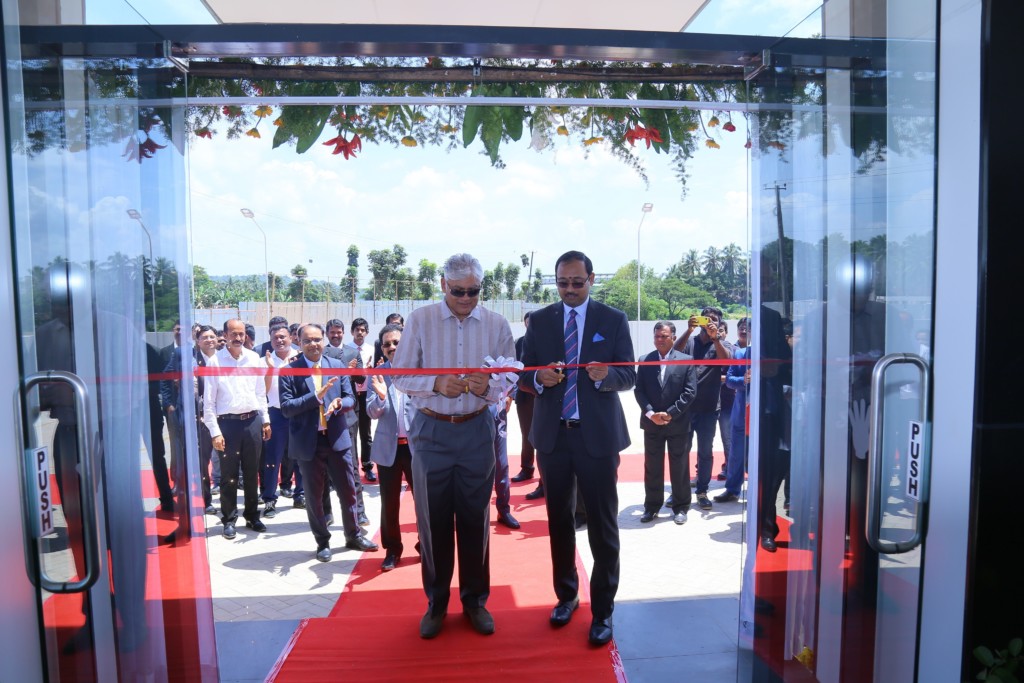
x=783, y=290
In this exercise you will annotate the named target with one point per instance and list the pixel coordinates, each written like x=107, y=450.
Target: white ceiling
x=642, y=15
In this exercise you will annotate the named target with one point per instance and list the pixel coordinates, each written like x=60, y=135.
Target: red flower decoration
x=231, y=111
x=204, y=132
x=138, y=151
x=729, y=126
x=346, y=147
x=648, y=135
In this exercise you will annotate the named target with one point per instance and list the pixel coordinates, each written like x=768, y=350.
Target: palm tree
x=730, y=258
x=691, y=263
x=711, y=261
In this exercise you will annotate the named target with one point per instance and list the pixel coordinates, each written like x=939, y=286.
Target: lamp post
x=136, y=216
x=645, y=209
x=266, y=261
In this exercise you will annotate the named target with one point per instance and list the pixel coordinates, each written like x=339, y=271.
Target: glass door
x=843, y=230
x=100, y=272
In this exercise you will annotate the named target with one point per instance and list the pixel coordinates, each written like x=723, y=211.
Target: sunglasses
x=575, y=284
x=459, y=293
x=388, y=345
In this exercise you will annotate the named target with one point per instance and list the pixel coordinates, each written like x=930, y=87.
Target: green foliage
x=1001, y=666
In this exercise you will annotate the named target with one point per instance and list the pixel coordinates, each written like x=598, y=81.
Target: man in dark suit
x=318, y=439
x=350, y=358
x=578, y=430
x=665, y=393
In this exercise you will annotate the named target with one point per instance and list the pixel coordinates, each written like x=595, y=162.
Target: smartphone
x=702, y=320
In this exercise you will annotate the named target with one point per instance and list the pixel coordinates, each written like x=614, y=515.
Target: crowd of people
x=293, y=419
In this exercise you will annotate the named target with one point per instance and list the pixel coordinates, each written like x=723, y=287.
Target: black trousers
x=566, y=472
x=243, y=441
x=205, y=448
x=655, y=441
x=159, y=457
x=365, y=435
x=337, y=465
x=391, y=497
x=524, y=410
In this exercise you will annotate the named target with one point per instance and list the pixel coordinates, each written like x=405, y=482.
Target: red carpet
x=376, y=619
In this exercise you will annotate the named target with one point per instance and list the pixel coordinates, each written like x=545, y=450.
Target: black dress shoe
x=536, y=493
x=229, y=530
x=768, y=543
x=210, y=510
x=726, y=497
x=670, y=502
x=361, y=543
x=481, y=619
x=299, y=501
x=525, y=474
x=430, y=625
x=256, y=525
x=562, y=612
x=648, y=516
x=324, y=554
x=363, y=520
x=370, y=476
x=508, y=520
x=600, y=631
x=328, y=519
x=389, y=563
x=270, y=509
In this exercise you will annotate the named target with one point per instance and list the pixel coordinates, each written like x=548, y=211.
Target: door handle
x=90, y=519
x=872, y=529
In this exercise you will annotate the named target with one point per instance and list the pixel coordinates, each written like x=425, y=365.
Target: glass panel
x=845, y=175
x=101, y=256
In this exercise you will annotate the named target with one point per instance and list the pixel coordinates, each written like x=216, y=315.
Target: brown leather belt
x=570, y=424
x=454, y=419
x=403, y=440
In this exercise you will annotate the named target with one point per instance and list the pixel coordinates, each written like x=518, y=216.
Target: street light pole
x=645, y=209
x=136, y=216
x=266, y=261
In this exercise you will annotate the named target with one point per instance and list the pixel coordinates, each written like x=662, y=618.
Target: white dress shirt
x=235, y=394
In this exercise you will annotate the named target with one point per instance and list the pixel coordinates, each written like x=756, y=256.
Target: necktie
x=572, y=357
x=318, y=384
x=661, y=372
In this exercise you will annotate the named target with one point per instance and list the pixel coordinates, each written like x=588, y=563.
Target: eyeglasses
x=664, y=336
x=388, y=345
x=575, y=284
x=459, y=293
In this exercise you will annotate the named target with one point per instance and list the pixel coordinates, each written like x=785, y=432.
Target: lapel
x=589, y=326
x=310, y=385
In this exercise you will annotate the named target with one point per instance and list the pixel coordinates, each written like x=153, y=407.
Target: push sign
x=914, y=461
x=40, y=491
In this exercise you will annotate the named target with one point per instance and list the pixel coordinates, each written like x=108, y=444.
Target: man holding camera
x=709, y=344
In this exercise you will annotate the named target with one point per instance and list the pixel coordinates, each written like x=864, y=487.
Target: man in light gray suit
x=348, y=355
x=390, y=450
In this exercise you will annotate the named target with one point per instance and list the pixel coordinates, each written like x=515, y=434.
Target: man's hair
x=277, y=320
x=294, y=328
x=745, y=321
x=394, y=318
x=575, y=256
x=526, y=316
x=233, y=320
x=723, y=326
x=662, y=324
x=387, y=329
x=334, y=322
x=204, y=328
x=713, y=310
x=279, y=326
x=316, y=325
x=250, y=332
x=460, y=266
x=359, y=322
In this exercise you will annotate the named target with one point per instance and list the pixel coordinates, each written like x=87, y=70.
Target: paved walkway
x=676, y=610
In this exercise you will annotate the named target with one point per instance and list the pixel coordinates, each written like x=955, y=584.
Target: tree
x=690, y=264
x=711, y=262
x=385, y=265
x=487, y=286
x=297, y=287
x=352, y=270
x=511, y=279
x=426, y=279
x=499, y=280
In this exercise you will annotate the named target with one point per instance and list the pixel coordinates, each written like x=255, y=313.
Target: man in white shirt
x=280, y=355
x=360, y=328
x=235, y=412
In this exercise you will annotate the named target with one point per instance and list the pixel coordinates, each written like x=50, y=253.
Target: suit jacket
x=299, y=405
x=605, y=338
x=385, y=438
x=673, y=396
x=522, y=396
x=344, y=354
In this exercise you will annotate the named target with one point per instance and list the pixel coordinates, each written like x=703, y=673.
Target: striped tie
x=318, y=384
x=572, y=357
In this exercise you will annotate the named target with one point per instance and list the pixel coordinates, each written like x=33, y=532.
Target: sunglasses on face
x=575, y=284
x=460, y=293
x=389, y=344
